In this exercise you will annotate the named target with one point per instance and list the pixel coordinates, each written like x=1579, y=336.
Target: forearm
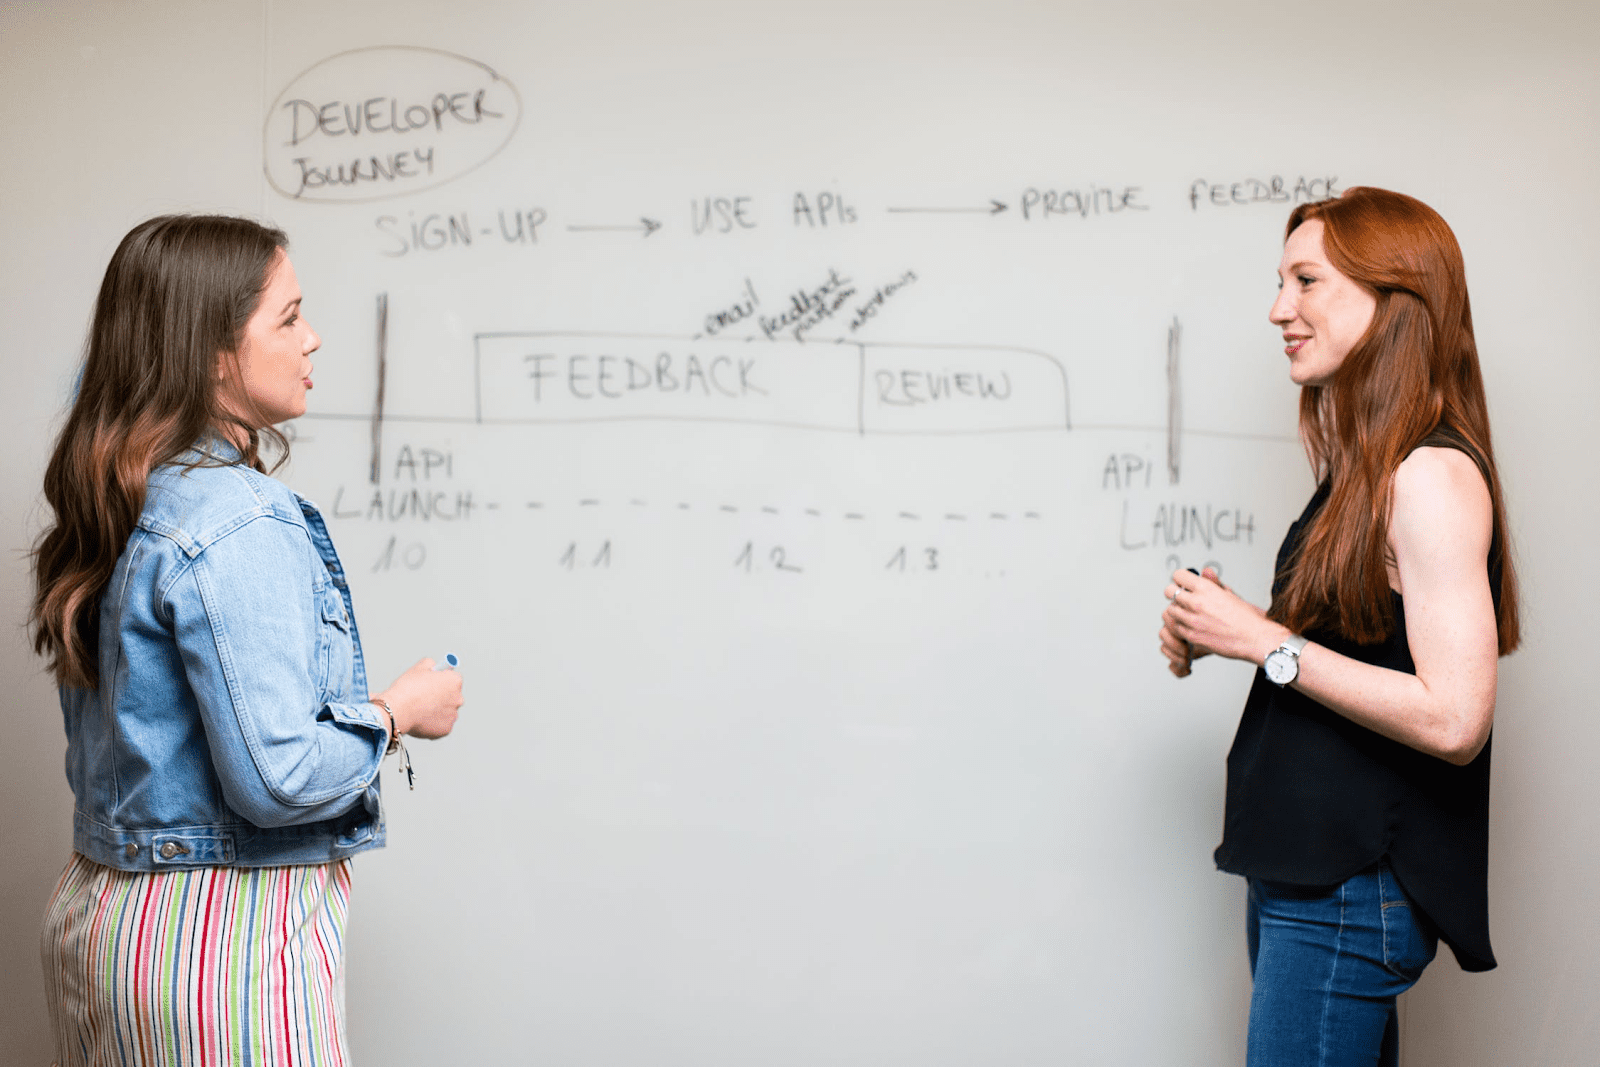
x=266, y=656
x=1445, y=709
x=275, y=772
x=1448, y=721
x=334, y=770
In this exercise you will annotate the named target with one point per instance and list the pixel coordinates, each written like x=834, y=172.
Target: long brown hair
x=174, y=301
x=1412, y=378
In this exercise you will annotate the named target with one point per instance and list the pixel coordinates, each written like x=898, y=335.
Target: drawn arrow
x=649, y=226
x=994, y=208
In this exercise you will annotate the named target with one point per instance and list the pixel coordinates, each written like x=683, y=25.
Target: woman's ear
x=227, y=381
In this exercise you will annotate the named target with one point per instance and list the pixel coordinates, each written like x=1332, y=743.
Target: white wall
x=698, y=811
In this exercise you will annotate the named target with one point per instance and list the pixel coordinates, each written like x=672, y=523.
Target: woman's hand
x=1180, y=656
x=1204, y=616
x=1180, y=653
x=424, y=701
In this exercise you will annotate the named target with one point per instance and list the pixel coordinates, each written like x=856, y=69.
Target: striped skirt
x=202, y=967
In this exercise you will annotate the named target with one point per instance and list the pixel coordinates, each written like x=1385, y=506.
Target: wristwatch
x=1283, y=663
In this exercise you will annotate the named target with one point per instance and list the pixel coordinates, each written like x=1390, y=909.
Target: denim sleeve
x=249, y=626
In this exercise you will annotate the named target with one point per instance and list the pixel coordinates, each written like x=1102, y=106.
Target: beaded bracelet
x=395, y=743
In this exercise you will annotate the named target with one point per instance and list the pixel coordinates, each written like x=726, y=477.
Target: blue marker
x=449, y=663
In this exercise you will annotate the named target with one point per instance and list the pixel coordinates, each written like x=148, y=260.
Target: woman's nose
x=1282, y=308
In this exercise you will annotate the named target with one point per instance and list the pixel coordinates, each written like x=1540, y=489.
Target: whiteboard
x=790, y=423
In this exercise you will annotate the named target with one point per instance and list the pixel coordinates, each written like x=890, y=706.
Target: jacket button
x=131, y=850
x=169, y=850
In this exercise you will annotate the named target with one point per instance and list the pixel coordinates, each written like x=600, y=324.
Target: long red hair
x=1413, y=378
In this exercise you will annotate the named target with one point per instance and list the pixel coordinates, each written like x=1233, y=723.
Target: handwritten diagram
x=864, y=388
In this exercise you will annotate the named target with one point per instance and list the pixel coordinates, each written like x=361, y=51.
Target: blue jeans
x=1327, y=964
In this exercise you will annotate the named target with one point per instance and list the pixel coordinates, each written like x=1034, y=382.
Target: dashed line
x=768, y=509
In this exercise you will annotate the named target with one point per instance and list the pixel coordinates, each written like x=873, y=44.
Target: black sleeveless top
x=1313, y=798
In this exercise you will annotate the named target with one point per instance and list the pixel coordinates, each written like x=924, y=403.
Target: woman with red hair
x=1358, y=783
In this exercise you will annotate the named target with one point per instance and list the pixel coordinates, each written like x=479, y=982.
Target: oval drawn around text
x=375, y=123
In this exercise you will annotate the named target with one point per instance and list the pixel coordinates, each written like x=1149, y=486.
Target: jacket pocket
x=336, y=650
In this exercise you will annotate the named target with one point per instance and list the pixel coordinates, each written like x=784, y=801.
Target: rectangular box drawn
x=550, y=377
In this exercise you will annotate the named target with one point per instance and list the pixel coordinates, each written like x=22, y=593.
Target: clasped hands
x=1203, y=617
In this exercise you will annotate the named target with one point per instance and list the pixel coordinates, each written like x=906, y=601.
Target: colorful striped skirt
x=207, y=966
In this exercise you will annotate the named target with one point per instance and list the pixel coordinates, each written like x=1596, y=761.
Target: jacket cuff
x=368, y=715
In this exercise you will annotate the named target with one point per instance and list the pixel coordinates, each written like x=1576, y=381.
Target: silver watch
x=1283, y=663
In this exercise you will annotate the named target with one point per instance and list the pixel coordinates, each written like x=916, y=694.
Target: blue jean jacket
x=231, y=725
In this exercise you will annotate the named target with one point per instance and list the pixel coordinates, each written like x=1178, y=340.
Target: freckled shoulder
x=1439, y=477
x=1439, y=497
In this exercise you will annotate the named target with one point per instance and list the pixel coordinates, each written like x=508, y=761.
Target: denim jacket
x=231, y=726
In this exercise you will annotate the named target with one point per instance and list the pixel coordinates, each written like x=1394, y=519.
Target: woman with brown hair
x=1358, y=783
x=222, y=748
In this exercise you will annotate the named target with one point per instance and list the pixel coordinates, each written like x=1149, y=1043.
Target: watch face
x=1281, y=667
